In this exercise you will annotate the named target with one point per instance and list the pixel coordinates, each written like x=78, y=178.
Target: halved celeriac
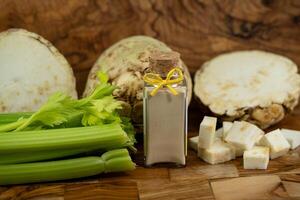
x=255, y=86
x=31, y=70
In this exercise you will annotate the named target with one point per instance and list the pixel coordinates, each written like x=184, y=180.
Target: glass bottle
x=165, y=115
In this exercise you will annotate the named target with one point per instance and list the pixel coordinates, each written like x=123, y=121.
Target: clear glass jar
x=165, y=125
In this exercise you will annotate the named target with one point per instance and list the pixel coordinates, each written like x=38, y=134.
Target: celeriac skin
x=125, y=69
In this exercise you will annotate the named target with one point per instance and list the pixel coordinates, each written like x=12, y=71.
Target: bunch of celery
x=111, y=161
x=32, y=143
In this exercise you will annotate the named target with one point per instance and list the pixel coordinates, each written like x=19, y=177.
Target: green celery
x=104, y=137
x=111, y=161
x=61, y=111
x=16, y=158
x=54, y=112
x=11, y=126
x=6, y=118
x=73, y=120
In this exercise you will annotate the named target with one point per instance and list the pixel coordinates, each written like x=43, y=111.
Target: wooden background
x=198, y=29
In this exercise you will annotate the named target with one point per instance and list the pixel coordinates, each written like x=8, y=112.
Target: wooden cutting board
x=86, y=191
x=199, y=30
x=198, y=180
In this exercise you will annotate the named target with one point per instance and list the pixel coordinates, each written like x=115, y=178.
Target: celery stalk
x=16, y=158
x=111, y=161
x=6, y=118
x=11, y=126
x=104, y=137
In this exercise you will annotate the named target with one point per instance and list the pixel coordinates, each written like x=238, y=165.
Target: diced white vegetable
x=292, y=136
x=219, y=152
x=207, y=132
x=226, y=127
x=237, y=150
x=277, y=143
x=256, y=158
x=243, y=135
x=219, y=133
x=258, y=140
x=193, y=143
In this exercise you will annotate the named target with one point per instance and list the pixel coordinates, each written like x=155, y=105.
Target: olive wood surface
x=199, y=30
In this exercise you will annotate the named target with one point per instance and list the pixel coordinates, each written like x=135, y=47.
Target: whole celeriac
x=31, y=70
x=125, y=63
x=255, y=86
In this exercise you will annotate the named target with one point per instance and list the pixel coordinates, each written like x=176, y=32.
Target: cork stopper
x=162, y=62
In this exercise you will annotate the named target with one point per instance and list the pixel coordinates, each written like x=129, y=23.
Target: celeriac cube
x=292, y=136
x=207, y=132
x=219, y=152
x=226, y=127
x=256, y=158
x=258, y=140
x=243, y=135
x=219, y=133
x=237, y=151
x=193, y=143
x=277, y=143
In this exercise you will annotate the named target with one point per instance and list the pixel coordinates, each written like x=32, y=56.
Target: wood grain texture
x=85, y=191
x=255, y=187
x=198, y=29
x=204, y=172
x=292, y=188
x=183, y=190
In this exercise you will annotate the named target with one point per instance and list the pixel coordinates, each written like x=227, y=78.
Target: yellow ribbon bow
x=158, y=82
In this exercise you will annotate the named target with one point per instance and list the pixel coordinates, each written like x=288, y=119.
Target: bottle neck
x=163, y=62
